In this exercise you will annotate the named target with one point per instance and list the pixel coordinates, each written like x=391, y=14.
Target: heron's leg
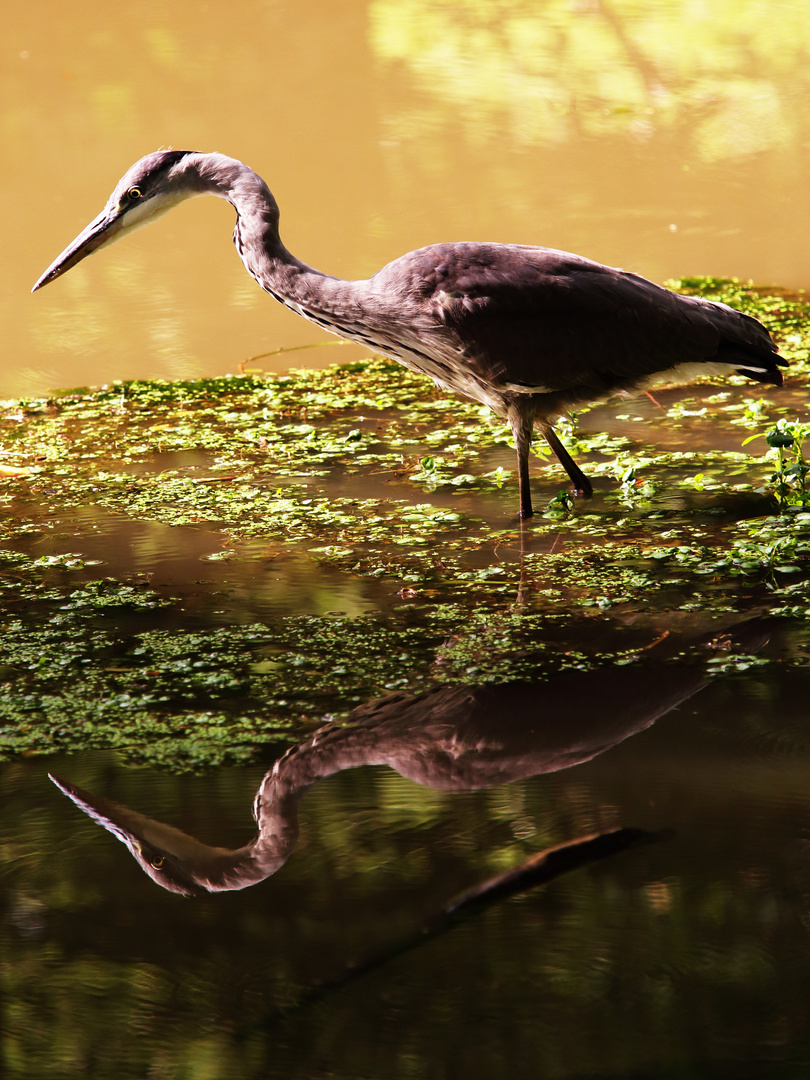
x=582, y=486
x=521, y=420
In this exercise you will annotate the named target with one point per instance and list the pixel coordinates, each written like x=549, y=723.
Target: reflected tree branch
x=540, y=869
x=650, y=75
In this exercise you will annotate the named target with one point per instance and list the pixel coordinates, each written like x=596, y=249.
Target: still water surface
x=668, y=138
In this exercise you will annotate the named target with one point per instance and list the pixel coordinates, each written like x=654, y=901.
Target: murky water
x=664, y=748
x=660, y=742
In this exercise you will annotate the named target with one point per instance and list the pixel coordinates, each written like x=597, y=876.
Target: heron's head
x=148, y=189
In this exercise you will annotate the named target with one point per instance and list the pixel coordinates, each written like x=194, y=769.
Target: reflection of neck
x=181, y=863
x=328, y=751
x=276, y=811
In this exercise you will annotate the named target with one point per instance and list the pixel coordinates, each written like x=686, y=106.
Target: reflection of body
x=456, y=738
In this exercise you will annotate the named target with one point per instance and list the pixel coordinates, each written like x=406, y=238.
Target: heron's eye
x=157, y=862
x=135, y=193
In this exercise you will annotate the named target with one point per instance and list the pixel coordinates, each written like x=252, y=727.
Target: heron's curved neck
x=317, y=296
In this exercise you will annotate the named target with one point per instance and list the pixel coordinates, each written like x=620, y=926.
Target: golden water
x=668, y=138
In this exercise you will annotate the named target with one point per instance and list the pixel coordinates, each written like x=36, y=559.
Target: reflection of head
x=176, y=860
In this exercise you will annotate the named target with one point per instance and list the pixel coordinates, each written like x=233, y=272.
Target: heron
x=531, y=332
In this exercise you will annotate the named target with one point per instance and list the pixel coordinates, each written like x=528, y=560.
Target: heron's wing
x=539, y=317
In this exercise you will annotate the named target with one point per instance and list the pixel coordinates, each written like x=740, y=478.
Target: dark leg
x=521, y=420
x=582, y=485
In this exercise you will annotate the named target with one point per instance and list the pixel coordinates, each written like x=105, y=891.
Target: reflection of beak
x=126, y=824
x=106, y=228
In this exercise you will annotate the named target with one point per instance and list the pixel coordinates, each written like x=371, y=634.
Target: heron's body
x=531, y=332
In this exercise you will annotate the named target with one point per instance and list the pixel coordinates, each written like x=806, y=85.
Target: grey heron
x=530, y=332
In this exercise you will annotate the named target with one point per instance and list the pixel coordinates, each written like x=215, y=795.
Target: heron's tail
x=758, y=362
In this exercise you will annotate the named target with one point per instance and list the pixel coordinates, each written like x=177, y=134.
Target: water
x=668, y=138
x=685, y=957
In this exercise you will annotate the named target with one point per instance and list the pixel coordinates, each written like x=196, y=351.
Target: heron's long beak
x=103, y=230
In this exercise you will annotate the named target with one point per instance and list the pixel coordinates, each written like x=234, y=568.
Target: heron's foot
x=525, y=509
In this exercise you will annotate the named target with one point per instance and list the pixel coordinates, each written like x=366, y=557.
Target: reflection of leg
x=525, y=536
x=582, y=485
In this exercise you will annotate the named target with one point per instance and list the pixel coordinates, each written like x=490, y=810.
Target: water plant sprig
x=787, y=439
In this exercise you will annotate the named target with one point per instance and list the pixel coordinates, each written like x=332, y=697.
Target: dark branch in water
x=539, y=870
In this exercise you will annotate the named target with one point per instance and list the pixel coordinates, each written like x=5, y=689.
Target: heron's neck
x=328, y=301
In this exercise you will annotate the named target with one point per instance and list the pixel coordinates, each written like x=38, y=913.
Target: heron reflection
x=454, y=738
